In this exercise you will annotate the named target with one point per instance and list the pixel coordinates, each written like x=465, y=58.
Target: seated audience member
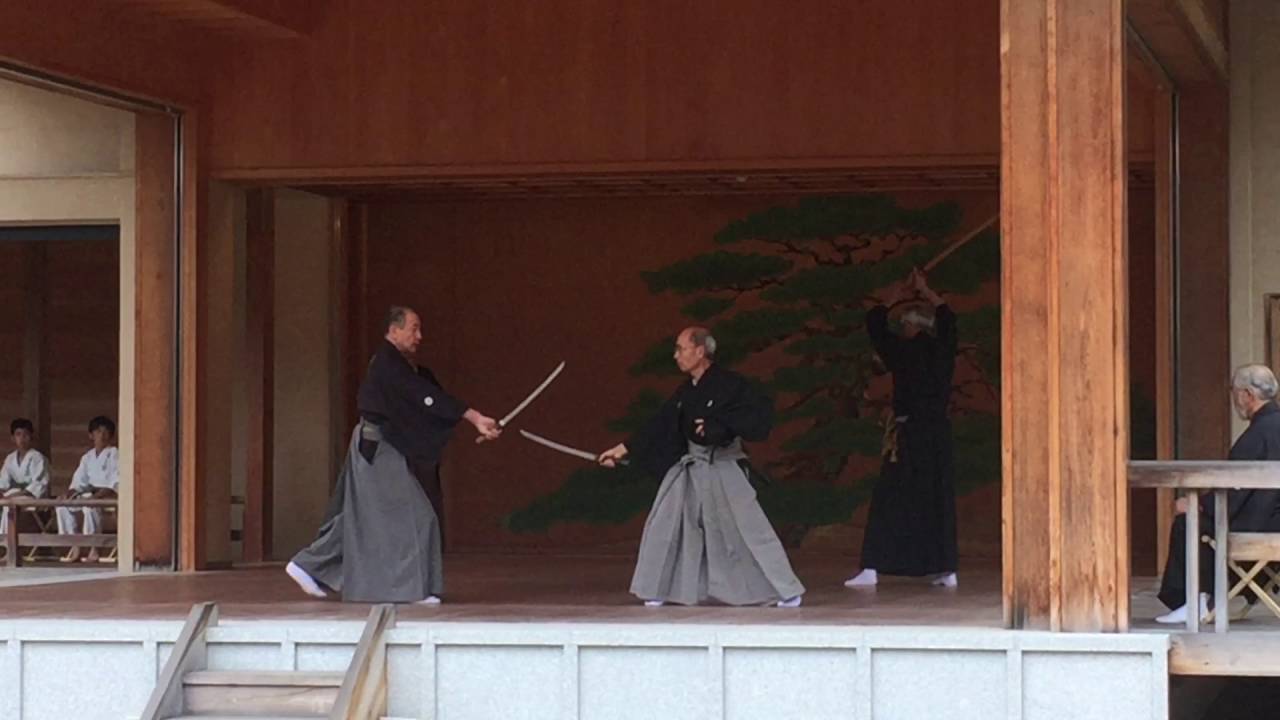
x=1253, y=395
x=97, y=477
x=25, y=471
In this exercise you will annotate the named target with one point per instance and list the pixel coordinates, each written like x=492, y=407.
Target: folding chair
x=1257, y=550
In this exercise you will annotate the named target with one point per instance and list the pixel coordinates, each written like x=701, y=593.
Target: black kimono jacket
x=922, y=366
x=723, y=399
x=1257, y=510
x=416, y=415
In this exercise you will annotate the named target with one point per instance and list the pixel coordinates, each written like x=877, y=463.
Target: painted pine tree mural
x=787, y=289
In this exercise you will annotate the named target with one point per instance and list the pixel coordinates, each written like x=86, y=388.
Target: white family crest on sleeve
x=428, y=401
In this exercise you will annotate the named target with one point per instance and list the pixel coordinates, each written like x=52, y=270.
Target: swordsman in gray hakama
x=380, y=540
x=706, y=536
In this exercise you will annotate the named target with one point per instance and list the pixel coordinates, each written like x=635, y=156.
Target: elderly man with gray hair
x=706, y=536
x=911, y=522
x=1253, y=395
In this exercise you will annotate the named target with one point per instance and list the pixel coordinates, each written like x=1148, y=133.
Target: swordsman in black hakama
x=911, y=524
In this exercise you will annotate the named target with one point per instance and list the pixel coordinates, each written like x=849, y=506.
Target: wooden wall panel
x=67, y=372
x=508, y=288
x=1204, y=362
x=35, y=308
x=82, y=359
x=11, y=334
x=401, y=83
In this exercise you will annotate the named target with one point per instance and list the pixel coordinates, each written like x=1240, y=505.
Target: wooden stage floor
x=516, y=588
x=543, y=588
x=593, y=589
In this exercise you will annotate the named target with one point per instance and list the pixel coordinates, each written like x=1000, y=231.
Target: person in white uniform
x=97, y=477
x=25, y=470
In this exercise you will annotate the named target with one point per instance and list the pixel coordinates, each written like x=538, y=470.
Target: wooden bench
x=14, y=540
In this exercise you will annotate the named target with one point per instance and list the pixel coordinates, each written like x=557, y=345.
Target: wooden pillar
x=1165, y=287
x=359, y=345
x=1065, y=384
x=223, y=211
x=339, y=325
x=191, y=482
x=35, y=342
x=259, y=368
x=154, y=339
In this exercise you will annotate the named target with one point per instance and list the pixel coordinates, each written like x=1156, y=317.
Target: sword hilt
x=480, y=439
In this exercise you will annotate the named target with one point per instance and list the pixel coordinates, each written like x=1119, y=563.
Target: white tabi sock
x=944, y=580
x=1179, y=615
x=866, y=578
x=654, y=603
x=305, y=581
x=429, y=600
x=791, y=602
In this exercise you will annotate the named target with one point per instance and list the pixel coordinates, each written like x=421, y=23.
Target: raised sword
x=530, y=398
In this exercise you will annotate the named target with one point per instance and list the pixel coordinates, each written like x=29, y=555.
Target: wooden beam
x=154, y=482
x=35, y=341
x=1183, y=39
x=1064, y=314
x=259, y=367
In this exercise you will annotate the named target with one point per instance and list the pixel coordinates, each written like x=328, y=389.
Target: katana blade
x=533, y=395
x=567, y=450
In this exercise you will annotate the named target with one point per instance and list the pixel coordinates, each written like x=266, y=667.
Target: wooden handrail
x=188, y=654
x=18, y=501
x=1204, y=474
x=363, y=695
x=1219, y=478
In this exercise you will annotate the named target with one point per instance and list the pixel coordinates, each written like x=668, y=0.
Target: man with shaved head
x=706, y=535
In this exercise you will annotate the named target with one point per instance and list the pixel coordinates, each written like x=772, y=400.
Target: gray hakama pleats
x=706, y=537
x=380, y=541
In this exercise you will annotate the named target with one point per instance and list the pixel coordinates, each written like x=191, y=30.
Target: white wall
x=69, y=161
x=304, y=369
x=1255, y=174
x=46, y=134
x=581, y=671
